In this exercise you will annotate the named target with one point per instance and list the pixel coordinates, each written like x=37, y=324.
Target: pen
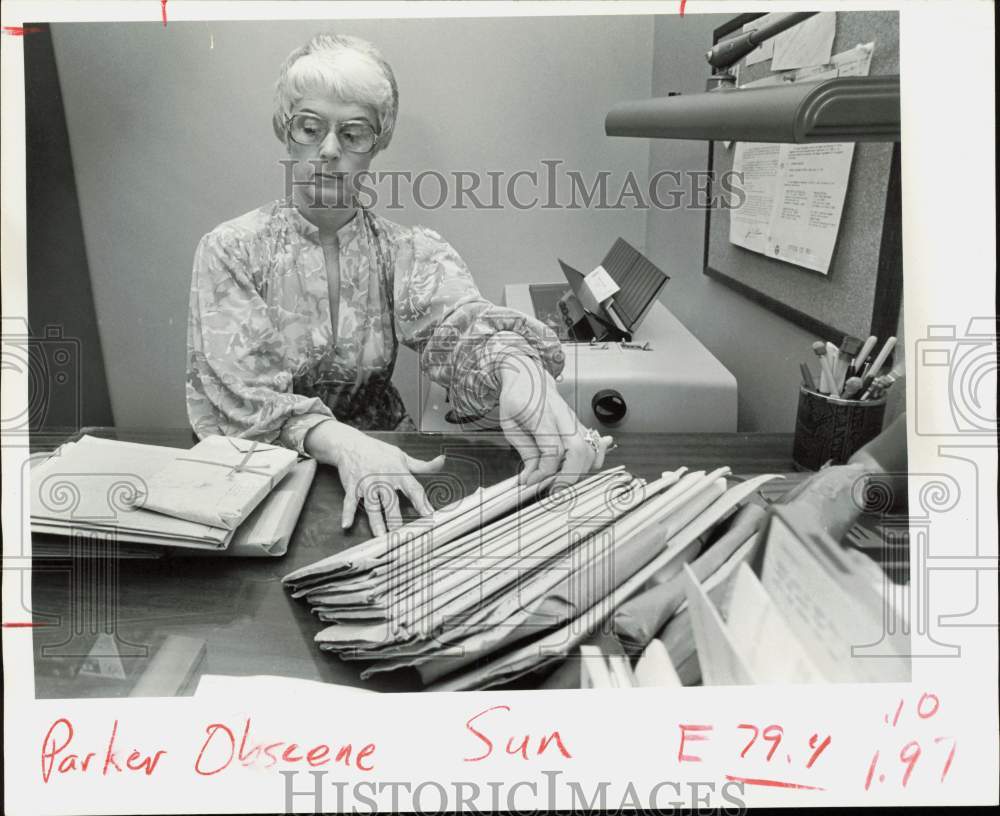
x=873, y=392
x=880, y=385
x=807, y=377
x=880, y=360
x=850, y=347
x=884, y=382
x=866, y=349
x=897, y=373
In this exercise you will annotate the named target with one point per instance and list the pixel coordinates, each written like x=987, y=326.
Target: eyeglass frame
x=333, y=127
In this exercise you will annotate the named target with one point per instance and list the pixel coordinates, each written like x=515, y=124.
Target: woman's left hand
x=543, y=428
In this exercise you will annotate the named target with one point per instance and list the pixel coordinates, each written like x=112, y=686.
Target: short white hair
x=350, y=68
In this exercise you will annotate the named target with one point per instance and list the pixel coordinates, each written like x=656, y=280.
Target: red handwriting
x=56, y=756
x=219, y=750
x=20, y=31
x=770, y=734
x=951, y=756
x=691, y=737
x=771, y=783
x=683, y=3
x=24, y=624
x=163, y=12
x=909, y=755
x=817, y=751
x=513, y=747
x=927, y=706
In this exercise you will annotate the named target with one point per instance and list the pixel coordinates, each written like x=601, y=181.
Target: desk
x=238, y=606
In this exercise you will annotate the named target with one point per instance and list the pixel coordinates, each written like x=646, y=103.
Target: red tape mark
x=20, y=625
x=20, y=31
x=163, y=12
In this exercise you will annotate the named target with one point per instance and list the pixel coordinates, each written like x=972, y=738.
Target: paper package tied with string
x=219, y=481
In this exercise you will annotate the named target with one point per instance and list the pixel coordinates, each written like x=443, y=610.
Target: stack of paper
x=637, y=621
x=678, y=635
x=508, y=578
x=218, y=482
x=97, y=487
x=818, y=613
x=837, y=602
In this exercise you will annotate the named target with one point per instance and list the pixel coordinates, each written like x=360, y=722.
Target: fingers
x=550, y=445
x=420, y=466
x=577, y=454
x=375, y=520
x=412, y=488
x=382, y=505
x=578, y=460
x=526, y=419
x=350, y=505
x=548, y=463
x=555, y=444
x=371, y=472
x=525, y=447
x=373, y=507
x=541, y=454
x=374, y=494
x=390, y=507
x=415, y=493
x=603, y=448
x=582, y=456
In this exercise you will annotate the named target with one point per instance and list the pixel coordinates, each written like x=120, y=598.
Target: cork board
x=861, y=293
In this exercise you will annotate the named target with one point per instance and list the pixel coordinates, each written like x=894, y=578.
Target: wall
x=60, y=300
x=762, y=350
x=170, y=135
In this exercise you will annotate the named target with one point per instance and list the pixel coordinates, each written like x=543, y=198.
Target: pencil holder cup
x=831, y=429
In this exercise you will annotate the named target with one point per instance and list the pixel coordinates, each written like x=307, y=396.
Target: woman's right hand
x=371, y=471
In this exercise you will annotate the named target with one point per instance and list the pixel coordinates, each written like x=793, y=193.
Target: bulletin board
x=860, y=294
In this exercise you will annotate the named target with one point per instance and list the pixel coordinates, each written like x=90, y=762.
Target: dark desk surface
x=238, y=606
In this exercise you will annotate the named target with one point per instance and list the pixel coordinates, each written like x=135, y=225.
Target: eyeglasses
x=354, y=135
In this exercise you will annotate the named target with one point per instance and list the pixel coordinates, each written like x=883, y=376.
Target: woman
x=298, y=307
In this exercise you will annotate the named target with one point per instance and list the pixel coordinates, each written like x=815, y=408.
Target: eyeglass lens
x=355, y=136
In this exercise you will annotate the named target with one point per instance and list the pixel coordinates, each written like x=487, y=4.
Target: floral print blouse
x=265, y=362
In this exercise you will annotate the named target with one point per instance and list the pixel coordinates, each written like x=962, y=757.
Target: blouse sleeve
x=461, y=337
x=238, y=383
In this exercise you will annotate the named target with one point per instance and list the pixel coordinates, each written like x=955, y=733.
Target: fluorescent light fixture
x=846, y=109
